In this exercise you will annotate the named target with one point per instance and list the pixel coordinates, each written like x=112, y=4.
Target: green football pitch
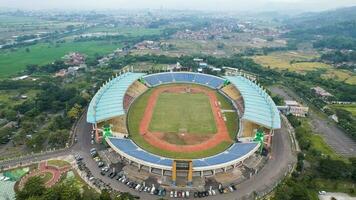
x=138, y=107
x=183, y=112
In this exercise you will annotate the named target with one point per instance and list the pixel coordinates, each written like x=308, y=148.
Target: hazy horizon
x=210, y=5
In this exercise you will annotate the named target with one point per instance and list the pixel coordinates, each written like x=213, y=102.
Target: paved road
x=333, y=135
x=269, y=175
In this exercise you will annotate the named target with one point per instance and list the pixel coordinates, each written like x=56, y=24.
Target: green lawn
x=134, y=118
x=348, y=107
x=176, y=111
x=128, y=31
x=46, y=176
x=12, y=62
x=58, y=163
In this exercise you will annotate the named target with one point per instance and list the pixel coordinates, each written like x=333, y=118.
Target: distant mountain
x=316, y=20
x=331, y=29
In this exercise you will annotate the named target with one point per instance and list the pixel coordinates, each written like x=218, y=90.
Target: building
x=20, y=78
x=111, y=103
x=294, y=108
x=74, y=58
x=321, y=92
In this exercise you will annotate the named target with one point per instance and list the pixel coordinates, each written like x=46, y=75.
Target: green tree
x=105, y=195
x=75, y=112
x=34, y=187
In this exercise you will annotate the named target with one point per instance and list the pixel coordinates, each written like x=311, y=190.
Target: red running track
x=221, y=135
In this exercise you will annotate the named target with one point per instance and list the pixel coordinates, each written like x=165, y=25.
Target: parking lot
x=113, y=171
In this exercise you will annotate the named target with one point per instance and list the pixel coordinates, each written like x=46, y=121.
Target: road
x=333, y=135
x=269, y=175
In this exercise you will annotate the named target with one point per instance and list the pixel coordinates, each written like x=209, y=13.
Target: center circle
x=182, y=121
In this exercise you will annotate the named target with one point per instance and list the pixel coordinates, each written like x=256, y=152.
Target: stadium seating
x=248, y=129
x=236, y=96
x=128, y=148
x=184, y=77
x=118, y=125
x=135, y=90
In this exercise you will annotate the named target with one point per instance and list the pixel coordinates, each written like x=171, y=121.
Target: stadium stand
x=236, y=96
x=108, y=101
x=248, y=129
x=184, y=77
x=127, y=148
x=135, y=90
x=118, y=125
x=258, y=105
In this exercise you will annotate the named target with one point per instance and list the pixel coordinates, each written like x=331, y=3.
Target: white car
x=171, y=194
x=187, y=194
x=153, y=189
x=213, y=191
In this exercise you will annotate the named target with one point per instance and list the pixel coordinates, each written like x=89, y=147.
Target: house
x=60, y=73
x=321, y=92
x=74, y=59
x=20, y=78
x=203, y=64
x=294, y=108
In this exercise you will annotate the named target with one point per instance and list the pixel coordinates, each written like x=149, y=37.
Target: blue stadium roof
x=233, y=154
x=259, y=107
x=184, y=77
x=108, y=101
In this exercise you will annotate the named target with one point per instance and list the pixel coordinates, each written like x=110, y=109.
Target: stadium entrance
x=182, y=169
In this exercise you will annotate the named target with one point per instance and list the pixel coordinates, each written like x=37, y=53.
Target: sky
x=212, y=5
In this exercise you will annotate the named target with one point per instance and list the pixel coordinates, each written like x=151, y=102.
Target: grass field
x=12, y=62
x=58, y=163
x=284, y=61
x=335, y=186
x=348, y=107
x=134, y=118
x=127, y=31
x=176, y=111
x=46, y=176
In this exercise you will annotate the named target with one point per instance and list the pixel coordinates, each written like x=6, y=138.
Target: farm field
x=127, y=31
x=11, y=26
x=348, y=107
x=302, y=62
x=12, y=62
x=282, y=61
x=175, y=111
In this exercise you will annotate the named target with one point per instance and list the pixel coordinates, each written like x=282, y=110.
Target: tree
x=10, y=115
x=105, y=195
x=75, y=112
x=34, y=187
x=334, y=169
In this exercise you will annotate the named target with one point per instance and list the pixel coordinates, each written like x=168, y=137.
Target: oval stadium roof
x=259, y=107
x=108, y=101
x=128, y=149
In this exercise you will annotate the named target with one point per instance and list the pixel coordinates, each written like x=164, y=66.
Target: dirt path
x=151, y=137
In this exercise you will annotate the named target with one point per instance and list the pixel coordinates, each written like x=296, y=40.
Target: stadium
x=183, y=124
